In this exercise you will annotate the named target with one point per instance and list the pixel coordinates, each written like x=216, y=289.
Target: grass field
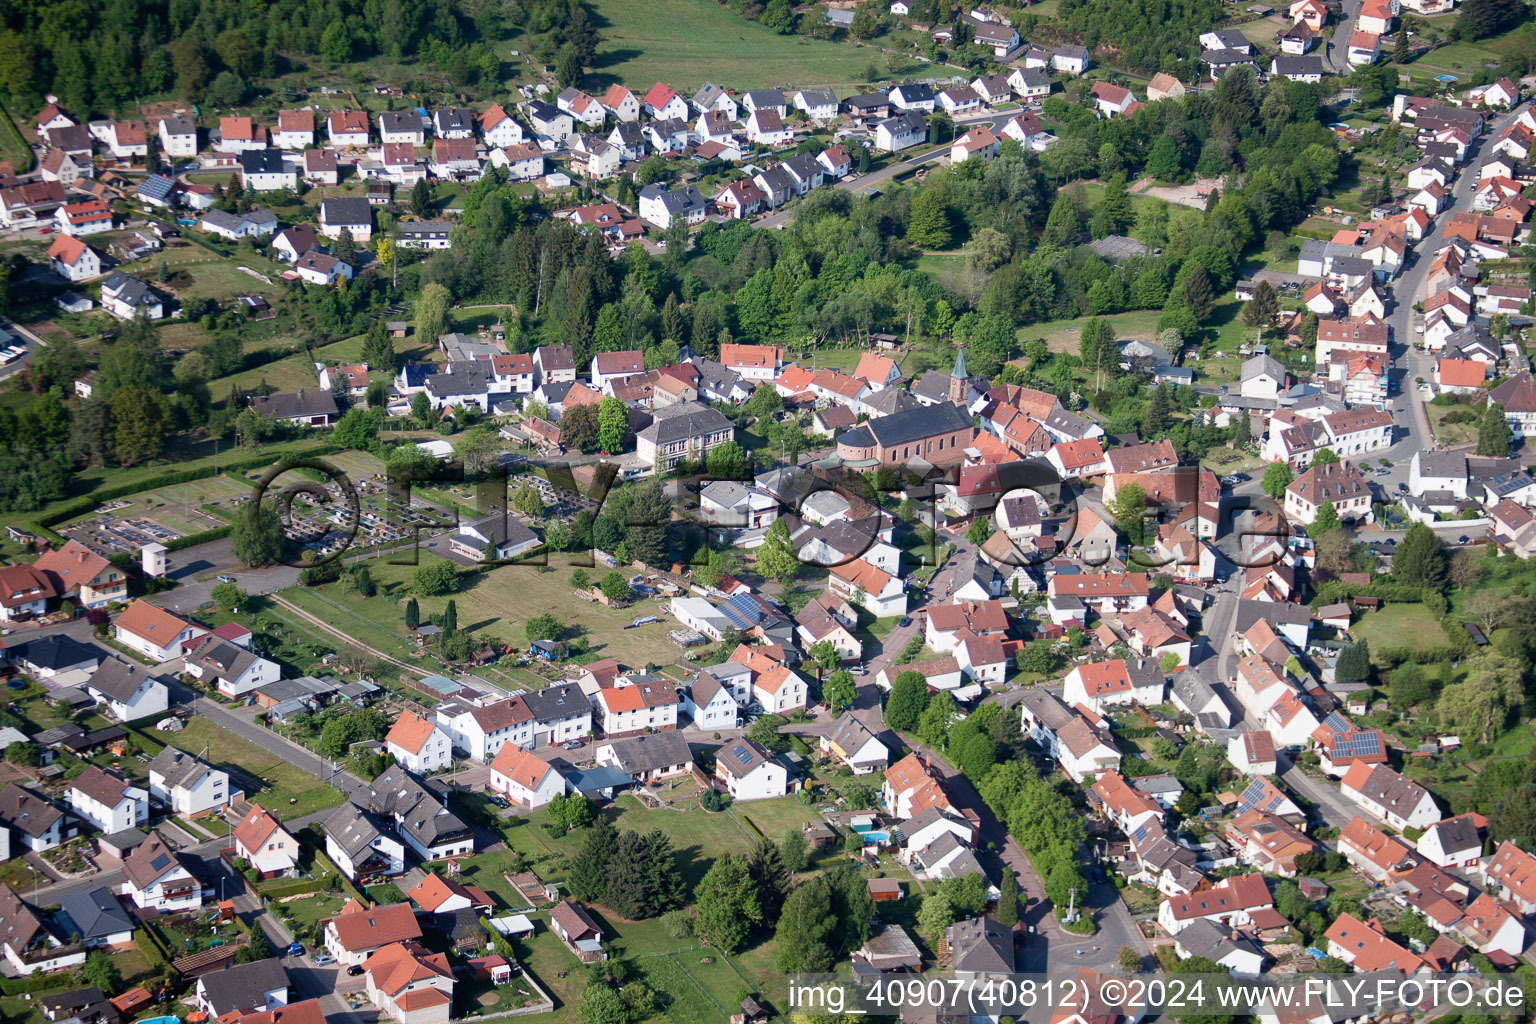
x=1449, y=433
x=686, y=43
x=498, y=603
x=1400, y=625
x=250, y=766
x=1065, y=335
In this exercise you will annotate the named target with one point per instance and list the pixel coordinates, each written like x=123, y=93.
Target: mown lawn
x=1066, y=335
x=282, y=788
x=686, y=43
x=1400, y=625
x=498, y=602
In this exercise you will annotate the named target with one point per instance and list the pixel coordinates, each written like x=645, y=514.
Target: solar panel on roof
x=1360, y=744
x=1336, y=723
x=743, y=755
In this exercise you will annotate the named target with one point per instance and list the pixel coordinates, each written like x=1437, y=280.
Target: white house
x=870, y=587
x=1389, y=796
x=270, y=848
x=1105, y=684
x=851, y=742
x=178, y=136
x=635, y=704
x=901, y=132
x=498, y=129
x=359, y=846
x=750, y=772
x=73, y=260
x=156, y=878
x=128, y=690
x=231, y=669
x=188, y=785
x=1454, y=843
x=709, y=704
x=153, y=632
x=481, y=730
x=525, y=778
x=419, y=744
x=107, y=801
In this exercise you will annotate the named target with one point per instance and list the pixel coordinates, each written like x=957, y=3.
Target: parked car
x=297, y=949
x=905, y=620
x=354, y=970
x=324, y=960
x=226, y=578
x=572, y=745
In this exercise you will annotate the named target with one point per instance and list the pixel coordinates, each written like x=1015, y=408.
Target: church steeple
x=958, y=379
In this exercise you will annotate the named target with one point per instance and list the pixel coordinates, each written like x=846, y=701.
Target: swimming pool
x=875, y=836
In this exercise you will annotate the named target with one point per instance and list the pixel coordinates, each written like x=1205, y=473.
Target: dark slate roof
x=292, y=406
x=353, y=828
x=262, y=161
x=680, y=422
x=647, y=753
x=118, y=679
x=910, y=425
x=243, y=987
x=55, y=651
x=554, y=703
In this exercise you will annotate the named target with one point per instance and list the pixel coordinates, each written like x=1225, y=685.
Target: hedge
x=39, y=983
x=347, y=885
x=277, y=892
x=194, y=539
x=87, y=503
x=149, y=944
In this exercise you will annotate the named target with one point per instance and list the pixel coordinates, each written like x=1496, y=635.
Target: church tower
x=959, y=380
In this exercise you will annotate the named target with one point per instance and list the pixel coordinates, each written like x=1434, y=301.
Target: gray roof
x=262, y=161
x=1193, y=691
x=556, y=703
x=243, y=987
x=1224, y=58
x=708, y=93
x=425, y=228
x=1047, y=708
x=55, y=651
x=681, y=422
x=297, y=405
x=647, y=753
x=766, y=98
x=1117, y=247
x=1286, y=66
x=348, y=210
x=1205, y=939
x=1457, y=833
x=118, y=679
x=128, y=289
x=1443, y=464
x=677, y=200
x=819, y=97
x=177, y=767
x=1249, y=612
x=742, y=757
x=850, y=733
x=1392, y=790
x=353, y=829
x=504, y=528
x=1262, y=364
x=980, y=944
x=420, y=812
x=907, y=426
x=396, y=121
x=179, y=124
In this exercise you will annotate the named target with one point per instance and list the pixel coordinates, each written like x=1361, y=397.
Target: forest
x=98, y=57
